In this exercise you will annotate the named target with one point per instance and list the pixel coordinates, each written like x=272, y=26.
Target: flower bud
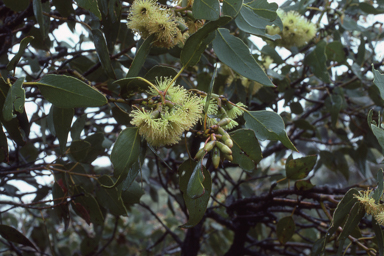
x=209, y=146
x=224, y=122
x=223, y=148
x=216, y=157
x=200, y=154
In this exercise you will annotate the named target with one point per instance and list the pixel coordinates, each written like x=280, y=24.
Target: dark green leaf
x=379, y=133
x=246, y=150
x=15, y=100
x=131, y=86
x=380, y=186
x=89, y=246
x=264, y=9
x=234, y=53
x=61, y=209
x=78, y=127
x=196, y=207
x=379, y=236
x=92, y=207
x=285, y=229
x=65, y=8
x=96, y=149
x=197, y=42
x=361, y=51
x=13, y=235
x=132, y=195
x=90, y=5
x=296, y=108
x=342, y=210
x=38, y=8
x=195, y=188
x=299, y=168
x=370, y=9
x=232, y=7
x=62, y=120
x=335, y=52
x=17, y=6
x=3, y=146
x=110, y=198
x=317, y=61
x=356, y=214
x=206, y=9
x=79, y=149
x=103, y=53
x=29, y=153
x=69, y=92
x=379, y=81
x=140, y=57
x=125, y=152
x=78, y=180
x=158, y=71
x=23, y=45
x=333, y=104
x=268, y=125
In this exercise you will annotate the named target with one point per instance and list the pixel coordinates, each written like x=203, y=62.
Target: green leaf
x=335, y=52
x=90, y=5
x=296, y=108
x=15, y=100
x=370, y=9
x=62, y=120
x=361, y=51
x=23, y=45
x=78, y=127
x=61, y=211
x=78, y=180
x=232, y=7
x=206, y=9
x=197, y=42
x=255, y=16
x=103, y=53
x=246, y=150
x=125, y=152
x=140, y=57
x=132, y=195
x=131, y=86
x=17, y=6
x=234, y=53
x=96, y=149
x=268, y=125
x=303, y=185
x=3, y=146
x=65, y=8
x=158, y=71
x=380, y=186
x=356, y=214
x=195, y=188
x=285, y=229
x=79, y=149
x=69, y=92
x=92, y=207
x=333, y=105
x=379, y=236
x=13, y=235
x=342, y=210
x=317, y=61
x=379, y=134
x=42, y=20
x=196, y=207
x=378, y=81
x=299, y=168
x=110, y=198
x=89, y=246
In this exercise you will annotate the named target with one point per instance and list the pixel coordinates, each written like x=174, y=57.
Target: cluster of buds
x=297, y=30
x=371, y=207
x=147, y=17
x=219, y=143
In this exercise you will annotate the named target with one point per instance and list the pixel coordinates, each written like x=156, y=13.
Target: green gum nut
x=200, y=154
x=229, y=142
x=228, y=157
x=224, y=121
x=209, y=146
x=216, y=157
x=224, y=148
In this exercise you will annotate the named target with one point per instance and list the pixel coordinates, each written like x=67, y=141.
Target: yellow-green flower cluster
x=165, y=124
x=146, y=17
x=297, y=30
x=376, y=210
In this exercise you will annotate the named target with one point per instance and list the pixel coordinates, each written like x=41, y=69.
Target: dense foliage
x=191, y=128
